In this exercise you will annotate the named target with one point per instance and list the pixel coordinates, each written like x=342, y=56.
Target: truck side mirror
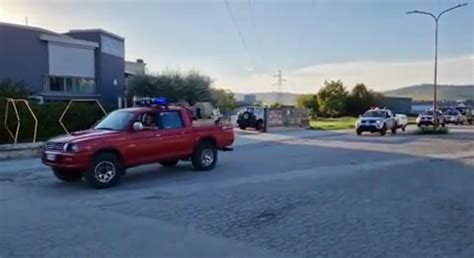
x=137, y=126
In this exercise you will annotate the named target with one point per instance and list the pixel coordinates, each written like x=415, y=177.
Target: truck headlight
x=71, y=147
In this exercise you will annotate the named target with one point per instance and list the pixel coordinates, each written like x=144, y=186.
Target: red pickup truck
x=135, y=136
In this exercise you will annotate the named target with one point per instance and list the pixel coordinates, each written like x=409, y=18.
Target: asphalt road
x=285, y=194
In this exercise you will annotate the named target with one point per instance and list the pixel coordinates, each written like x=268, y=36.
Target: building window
x=56, y=84
x=72, y=85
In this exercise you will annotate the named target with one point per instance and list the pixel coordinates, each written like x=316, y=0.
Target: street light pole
x=435, y=85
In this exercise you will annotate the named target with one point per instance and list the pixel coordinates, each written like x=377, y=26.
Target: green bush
x=79, y=116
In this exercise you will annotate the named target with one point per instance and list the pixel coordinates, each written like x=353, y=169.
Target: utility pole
x=26, y=20
x=279, y=83
x=435, y=80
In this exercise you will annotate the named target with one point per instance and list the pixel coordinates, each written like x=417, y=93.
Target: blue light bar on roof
x=161, y=101
x=147, y=102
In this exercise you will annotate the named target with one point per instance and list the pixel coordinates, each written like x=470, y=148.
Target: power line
x=279, y=83
x=239, y=32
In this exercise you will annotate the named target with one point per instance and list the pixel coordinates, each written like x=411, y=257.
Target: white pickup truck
x=401, y=121
x=380, y=120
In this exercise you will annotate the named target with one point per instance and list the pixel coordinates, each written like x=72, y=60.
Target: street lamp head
x=414, y=11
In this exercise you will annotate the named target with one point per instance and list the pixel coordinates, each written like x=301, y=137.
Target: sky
x=242, y=44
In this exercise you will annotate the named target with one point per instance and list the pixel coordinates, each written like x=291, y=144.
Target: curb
x=20, y=151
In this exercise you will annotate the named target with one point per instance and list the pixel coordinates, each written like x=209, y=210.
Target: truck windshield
x=374, y=114
x=117, y=121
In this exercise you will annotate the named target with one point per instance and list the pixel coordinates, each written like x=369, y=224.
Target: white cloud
x=376, y=75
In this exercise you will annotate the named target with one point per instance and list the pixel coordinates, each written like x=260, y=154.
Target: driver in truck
x=149, y=122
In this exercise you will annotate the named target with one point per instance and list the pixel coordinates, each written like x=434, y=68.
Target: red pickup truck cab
x=131, y=137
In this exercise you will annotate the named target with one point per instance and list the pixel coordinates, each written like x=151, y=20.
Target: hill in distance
x=425, y=92
x=416, y=92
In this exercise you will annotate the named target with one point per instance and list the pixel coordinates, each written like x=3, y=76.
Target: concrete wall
x=23, y=56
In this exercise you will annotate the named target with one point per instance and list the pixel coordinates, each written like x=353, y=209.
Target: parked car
x=376, y=120
x=150, y=133
x=251, y=116
x=453, y=116
x=466, y=112
x=426, y=118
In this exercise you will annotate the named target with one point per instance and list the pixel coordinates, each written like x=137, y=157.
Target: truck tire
x=383, y=131
x=169, y=163
x=105, y=171
x=242, y=127
x=358, y=132
x=204, y=156
x=394, y=129
x=404, y=128
x=246, y=116
x=67, y=175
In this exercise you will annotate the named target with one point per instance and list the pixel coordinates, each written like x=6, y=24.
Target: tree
x=191, y=87
x=332, y=98
x=224, y=99
x=361, y=99
x=142, y=86
x=309, y=102
x=279, y=105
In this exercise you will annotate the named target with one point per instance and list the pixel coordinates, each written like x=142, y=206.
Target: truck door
x=175, y=137
x=142, y=146
x=390, y=120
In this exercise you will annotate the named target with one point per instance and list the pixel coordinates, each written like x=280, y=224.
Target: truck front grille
x=55, y=146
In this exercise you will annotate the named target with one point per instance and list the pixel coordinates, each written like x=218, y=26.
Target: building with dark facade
x=62, y=66
x=397, y=104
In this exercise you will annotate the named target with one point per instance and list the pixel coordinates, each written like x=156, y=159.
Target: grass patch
x=332, y=123
x=431, y=130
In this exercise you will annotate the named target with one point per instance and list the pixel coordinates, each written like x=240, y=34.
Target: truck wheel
x=204, y=156
x=242, y=127
x=358, y=132
x=67, y=175
x=383, y=131
x=105, y=171
x=246, y=116
x=404, y=128
x=394, y=129
x=169, y=163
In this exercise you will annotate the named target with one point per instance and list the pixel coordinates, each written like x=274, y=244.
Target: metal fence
x=288, y=117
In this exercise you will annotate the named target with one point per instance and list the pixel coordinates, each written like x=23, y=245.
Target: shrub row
x=79, y=116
